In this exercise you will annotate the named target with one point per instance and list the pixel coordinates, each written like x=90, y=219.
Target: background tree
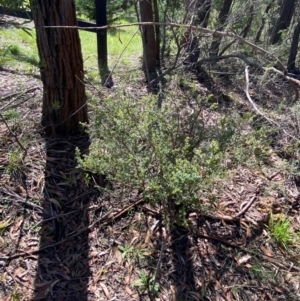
x=149, y=39
x=249, y=16
x=283, y=22
x=263, y=21
x=101, y=20
x=116, y=9
x=294, y=49
x=200, y=10
x=222, y=18
x=64, y=99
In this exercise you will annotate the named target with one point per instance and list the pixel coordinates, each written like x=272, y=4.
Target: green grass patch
x=282, y=232
x=124, y=49
x=260, y=272
x=11, y=115
x=19, y=49
x=15, y=162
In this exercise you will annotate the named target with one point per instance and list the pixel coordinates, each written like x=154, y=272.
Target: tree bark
x=203, y=12
x=148, y=35
x=199, y=11
x=244, y=31
x=64, y=99
x=157, y=33
x=101, y=20
x=263, y=22
x=283, y=22
x=223, y=15
x=294, y=49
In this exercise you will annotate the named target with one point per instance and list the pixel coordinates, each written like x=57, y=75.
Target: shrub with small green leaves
x=171, y=157
x=146, y=283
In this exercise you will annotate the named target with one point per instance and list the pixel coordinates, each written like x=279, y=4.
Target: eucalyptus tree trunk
x=294, y=48
x=61, y=65
x=148, y=36
x=263, y=22
x=287, y=10
x=222, y=18
x=203, y=11
x=244, y=31
x=198, y=14
x=157, y=32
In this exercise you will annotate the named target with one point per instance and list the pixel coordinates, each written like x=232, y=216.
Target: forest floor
x=63, y=238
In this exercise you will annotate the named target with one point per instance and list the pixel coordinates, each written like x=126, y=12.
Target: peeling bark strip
x=61, y=66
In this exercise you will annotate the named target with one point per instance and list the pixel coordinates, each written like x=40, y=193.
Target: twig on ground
x=217, y=239
x=19, y=199
x=14, y=135
x=273, y=260
x=245, y=208
x=55, y=217
x=151, y=211
x=24, y=100
x=256, y=108
x=14, y=94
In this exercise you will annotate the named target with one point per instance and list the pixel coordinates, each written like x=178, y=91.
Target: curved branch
x=224, y=57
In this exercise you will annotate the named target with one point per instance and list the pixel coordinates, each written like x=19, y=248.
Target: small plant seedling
x=126, y=250
x=262, y=273
x=147, y=284
x=15, y=295
x=4, y=225
x=131, y=252
x=56, y=105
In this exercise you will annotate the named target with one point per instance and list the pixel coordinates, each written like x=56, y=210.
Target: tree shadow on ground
x=63, y=267
x=212, y=266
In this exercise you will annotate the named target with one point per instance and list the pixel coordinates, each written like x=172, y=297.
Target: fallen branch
x=256, y=108
x=224, y=57
x=296, y=81
x=251, y=101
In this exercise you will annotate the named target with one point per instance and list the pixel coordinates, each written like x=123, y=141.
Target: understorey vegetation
x=166, y=170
